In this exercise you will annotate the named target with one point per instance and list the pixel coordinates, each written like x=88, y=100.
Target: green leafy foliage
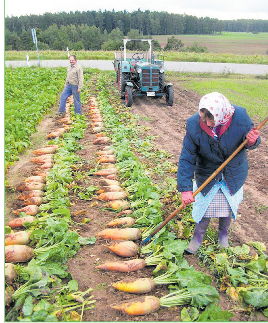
x=214, y=313
x=29, y=95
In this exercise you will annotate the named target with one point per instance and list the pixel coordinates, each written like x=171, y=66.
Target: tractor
x=141, y=74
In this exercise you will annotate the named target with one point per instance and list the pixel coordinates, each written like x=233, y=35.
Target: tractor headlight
x=139, y=70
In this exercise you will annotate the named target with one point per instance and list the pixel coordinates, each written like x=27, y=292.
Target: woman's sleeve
x=186, y=167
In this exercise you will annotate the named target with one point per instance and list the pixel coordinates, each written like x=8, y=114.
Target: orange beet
x=120, y=234
x=29, y=209
x=105, y=152
x=41, y=172
x=125, y=222
x=46, y=165
x=106, y=171
x=124, y=248
x=112, y=196
x=50, y=149
x=106, y=159
x=31, y=186
x=36, y=200
x=111, y=188
x=57, y=133
x=36, y=179
x=18, y=222
x=27, y=194
x=102, y=140
x=108, y=182
x=112, y=176
x=124, y=266
x=139, y=306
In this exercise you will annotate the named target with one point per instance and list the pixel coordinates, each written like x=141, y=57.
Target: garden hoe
x=171, y=216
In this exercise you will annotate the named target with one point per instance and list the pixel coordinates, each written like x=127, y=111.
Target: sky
x=221, y=9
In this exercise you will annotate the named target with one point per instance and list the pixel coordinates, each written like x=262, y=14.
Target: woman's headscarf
x=219, y=106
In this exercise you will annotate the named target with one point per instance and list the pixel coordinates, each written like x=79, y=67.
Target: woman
x=212, y=135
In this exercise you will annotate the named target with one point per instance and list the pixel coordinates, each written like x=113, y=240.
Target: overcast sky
x=221, y=9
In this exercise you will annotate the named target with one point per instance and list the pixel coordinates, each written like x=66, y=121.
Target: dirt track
x=168, y=125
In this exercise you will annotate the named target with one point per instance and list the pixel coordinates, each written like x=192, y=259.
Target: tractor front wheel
x=122, y=84
x=169, y=96
x=129, y=96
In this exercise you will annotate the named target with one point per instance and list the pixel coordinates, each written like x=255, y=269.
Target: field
x=234, y=43
x=61, y=280
x=243, y=48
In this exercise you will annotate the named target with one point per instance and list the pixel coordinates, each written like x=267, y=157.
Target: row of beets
x=119, y=230
x=31, y=195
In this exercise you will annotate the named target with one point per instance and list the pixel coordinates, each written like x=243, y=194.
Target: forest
x=95, y=30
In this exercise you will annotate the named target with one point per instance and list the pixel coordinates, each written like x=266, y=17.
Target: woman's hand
x=252, y=136
x=187, y=198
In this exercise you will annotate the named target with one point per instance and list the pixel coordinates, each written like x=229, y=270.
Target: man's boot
x=199, y=232
x=224, y=224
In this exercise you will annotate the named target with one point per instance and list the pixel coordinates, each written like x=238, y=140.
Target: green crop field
x=243, y=90
x=233, y=43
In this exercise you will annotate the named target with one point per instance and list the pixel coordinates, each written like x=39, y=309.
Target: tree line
x=94, y=30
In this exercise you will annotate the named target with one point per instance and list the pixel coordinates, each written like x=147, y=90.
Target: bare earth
x=168, y=124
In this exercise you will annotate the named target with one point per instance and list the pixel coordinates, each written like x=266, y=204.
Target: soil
x=167, y=124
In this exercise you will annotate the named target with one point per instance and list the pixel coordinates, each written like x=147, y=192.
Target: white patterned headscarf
x=219, y=106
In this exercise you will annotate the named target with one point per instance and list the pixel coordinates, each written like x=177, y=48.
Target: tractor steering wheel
x=136, y=56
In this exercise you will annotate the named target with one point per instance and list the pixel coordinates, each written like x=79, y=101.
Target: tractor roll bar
x=127, y=40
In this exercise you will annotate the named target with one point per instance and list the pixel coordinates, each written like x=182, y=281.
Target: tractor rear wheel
x=169, y=96
x=128, y=96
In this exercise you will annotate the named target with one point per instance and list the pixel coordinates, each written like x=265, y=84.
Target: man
x=73, y=86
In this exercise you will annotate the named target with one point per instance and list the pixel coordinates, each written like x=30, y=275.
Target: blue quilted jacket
x=201, y=154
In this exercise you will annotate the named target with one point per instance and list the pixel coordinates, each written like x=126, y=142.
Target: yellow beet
x=139, y=306
x=10, y=273
x=106, y=159
x=118, y=205
x=138, y=286
x=20, y=237
x=124, y=248
x=126, y=221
